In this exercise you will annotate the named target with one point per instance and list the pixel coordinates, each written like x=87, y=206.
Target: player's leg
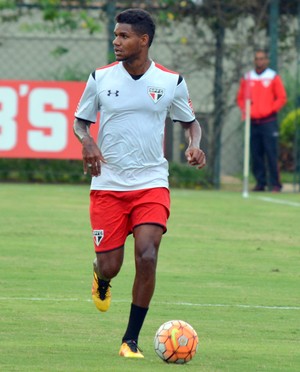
x=106, y=266
x=257, y=157
x=109, y=225
x=147, y=241
x=149, y=219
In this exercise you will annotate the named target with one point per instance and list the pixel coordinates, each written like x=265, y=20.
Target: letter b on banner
x=8, y=113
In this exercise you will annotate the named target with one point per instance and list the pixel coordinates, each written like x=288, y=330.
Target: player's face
x=261, y=61
x=127, y=44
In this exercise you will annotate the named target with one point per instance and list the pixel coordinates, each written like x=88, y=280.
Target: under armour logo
x=116, y=93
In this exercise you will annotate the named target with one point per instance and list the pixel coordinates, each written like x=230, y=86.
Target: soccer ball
x=176, y=341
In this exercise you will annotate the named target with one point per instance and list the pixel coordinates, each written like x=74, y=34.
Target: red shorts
x=114, y=214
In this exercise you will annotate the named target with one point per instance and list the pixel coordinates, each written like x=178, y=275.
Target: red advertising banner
x=36, y=119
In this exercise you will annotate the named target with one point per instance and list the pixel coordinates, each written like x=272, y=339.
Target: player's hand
x=92, y=157
x=195, y=157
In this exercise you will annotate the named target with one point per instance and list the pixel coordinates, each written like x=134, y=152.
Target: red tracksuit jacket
x=266, y=92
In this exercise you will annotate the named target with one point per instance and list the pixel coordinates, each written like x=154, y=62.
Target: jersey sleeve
x=88, y=105
x=280, y=98
x=181, y=108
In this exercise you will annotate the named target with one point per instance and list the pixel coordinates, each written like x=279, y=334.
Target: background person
x=266, y=91
x=129, y=189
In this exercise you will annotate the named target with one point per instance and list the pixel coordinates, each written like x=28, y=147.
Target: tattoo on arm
x=81, y=129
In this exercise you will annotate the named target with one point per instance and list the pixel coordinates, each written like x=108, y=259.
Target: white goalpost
x=246, y=149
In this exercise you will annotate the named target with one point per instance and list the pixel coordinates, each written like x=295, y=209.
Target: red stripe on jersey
x=191, y=105
x=107, y=66
x=163, y=68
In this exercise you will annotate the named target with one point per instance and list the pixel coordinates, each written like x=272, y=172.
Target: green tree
x=57, y=15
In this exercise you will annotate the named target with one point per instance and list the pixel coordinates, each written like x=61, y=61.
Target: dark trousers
x=264, y=150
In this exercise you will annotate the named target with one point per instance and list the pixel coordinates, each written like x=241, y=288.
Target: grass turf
x=229, y=266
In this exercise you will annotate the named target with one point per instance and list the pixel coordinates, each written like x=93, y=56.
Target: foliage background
x=211, y=42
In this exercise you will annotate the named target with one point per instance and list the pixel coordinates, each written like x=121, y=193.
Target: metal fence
x=32, y=50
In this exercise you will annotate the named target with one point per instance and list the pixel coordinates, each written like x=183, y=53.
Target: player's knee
x=146, y=261
x=109, y=270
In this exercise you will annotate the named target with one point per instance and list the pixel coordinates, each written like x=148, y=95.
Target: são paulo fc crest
x=98, y=236
x=266, y=82
x=156, y=93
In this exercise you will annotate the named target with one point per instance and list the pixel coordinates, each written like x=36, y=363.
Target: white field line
x=278, y=201
x=244, y=306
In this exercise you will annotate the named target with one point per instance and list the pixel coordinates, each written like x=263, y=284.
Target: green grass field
x=229, y=266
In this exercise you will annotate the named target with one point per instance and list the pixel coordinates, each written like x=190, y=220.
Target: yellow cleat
x=101, y=293
x=129, y=349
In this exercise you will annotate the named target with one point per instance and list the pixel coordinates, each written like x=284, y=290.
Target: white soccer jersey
x=132, y=123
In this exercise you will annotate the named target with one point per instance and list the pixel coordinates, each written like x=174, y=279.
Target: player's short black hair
x=140, y=20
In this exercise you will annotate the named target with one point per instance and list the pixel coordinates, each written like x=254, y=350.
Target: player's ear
x=145, y=40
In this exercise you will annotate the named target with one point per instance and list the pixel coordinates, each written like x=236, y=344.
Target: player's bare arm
x=91, y=153
x=194, y=155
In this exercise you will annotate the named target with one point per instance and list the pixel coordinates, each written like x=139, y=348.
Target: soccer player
x=129, y=188
x=265, y=89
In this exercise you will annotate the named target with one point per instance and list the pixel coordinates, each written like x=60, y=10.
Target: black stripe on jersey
x=185, y=122
x=180, y=78
x=86, y=121
x=94, y=75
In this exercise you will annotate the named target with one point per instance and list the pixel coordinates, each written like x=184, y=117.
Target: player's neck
x=137, y=67
x=260, y=70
